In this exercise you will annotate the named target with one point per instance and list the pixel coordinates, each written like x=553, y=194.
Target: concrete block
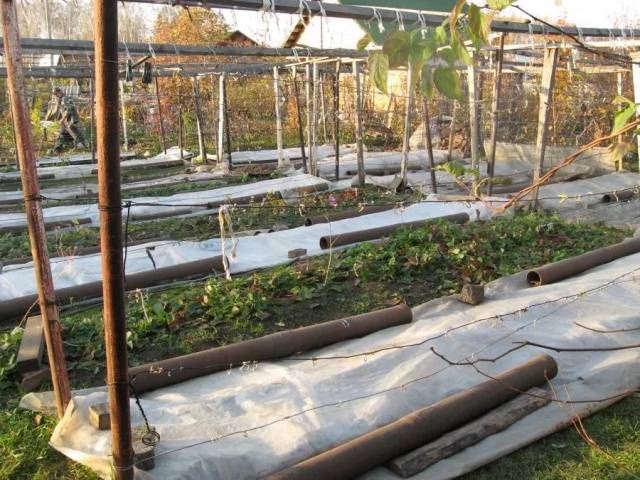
x=31, y=349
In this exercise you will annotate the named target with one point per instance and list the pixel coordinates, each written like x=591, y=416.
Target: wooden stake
x=296, y=91
x=221, y=122
x=546, y=97
x=160, y=121
x=314, y=122
x=110, y=207
x=404, y=165
x=276, y=90
x=93, y=122
x=497, y=90
x=227, y=125
x=199, y=121
x=452, y=128
x=358, y=116
x=309, y=105
x=33, y=206
x=125, y=132
x=180, y=127
x=635, y=77
x=336, y=117
x=323, y=109
x=473, y=112
x=426, y=123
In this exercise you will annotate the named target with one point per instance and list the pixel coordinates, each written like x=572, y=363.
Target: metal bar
x=221, y=120
x=93, y=121
x=309, y=110
x=160, y=122
x=314, y=121
x=227, y=125
x=426, y=123
x=323, y=109
x=296, y=92
x=180, y=126
x=110, y=206
x=336, y=117
x=497, y=89
x=276, y=90
x=404, y=165
x=199, y=121
x=359, y=134
x=33, y=207
x=124, y=117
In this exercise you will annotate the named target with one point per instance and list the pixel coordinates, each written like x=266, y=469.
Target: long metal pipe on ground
x=332, y=241
x=277, y=345
x=556, y=271
x=370, y=450
x=334, y=217
x=17, y=306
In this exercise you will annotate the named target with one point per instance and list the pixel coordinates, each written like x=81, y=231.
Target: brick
x=31, y=349
x=99, y=416
x=298, y=252
x=472, y=294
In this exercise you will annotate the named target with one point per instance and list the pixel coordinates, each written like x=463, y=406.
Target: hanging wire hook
x=378, y=17
x=400, y=20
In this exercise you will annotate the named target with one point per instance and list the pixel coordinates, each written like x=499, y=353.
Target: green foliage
x=624, y=115
x=379, y=70
x=447, y=81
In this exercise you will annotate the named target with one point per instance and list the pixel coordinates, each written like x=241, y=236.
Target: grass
x=414, y=266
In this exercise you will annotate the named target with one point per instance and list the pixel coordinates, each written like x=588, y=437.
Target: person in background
x=62, y=109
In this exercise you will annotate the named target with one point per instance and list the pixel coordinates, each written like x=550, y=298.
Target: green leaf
x=455, y=13
x=479, y=26
x=447, y=81
x=622, y=117
x=441, y=36
x=620, y=100
x=459, y=50
x=448, y=55
x=396, y=41
x=426, y=82
x=499, y=4
x=379, y=70
x=364, y=42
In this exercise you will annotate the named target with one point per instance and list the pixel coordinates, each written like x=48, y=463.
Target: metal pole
x=426, y=123
x=314, y=122
x=336, y=117
x=93, y=121
x=497, y=84
x=276, y=90
x=164, y=145
x=227, y=125
x=299, y=113
x=473, y=112
x=358, y=113
x=124, y=117
x=307, y=92
x=180, y=124
x=221, y=122
x=323, y=109
x=110, y=206
x=452, y=127
x=404, y=166
x=196, y=103
x=33, y=207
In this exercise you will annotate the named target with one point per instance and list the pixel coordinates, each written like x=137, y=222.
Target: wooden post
x=314, y=122
x=276, y=90
x=426, y=124
x=160, y=121
x=336, y=116
x=93, y=122
x=546, y=97
x=125, y=135
x=323, y=109
x=404, y=166
x=33, y=206
x=199, y=122
x=307, y=92
x=180, y=125
x=497, y=84
x=110, y=206
x=635, y=72
x=473, y=112
x=15, y=137
x=619, y=90
x=221, y=122
x=452, y=129
x=227, y=125
x=358, y=116
x=299, y=113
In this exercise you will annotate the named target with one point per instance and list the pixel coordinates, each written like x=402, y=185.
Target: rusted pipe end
x=606, y=198
x=533, y=278
x=325, y=242
x=308, y=222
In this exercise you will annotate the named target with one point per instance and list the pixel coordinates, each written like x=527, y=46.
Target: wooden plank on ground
x=31, y=349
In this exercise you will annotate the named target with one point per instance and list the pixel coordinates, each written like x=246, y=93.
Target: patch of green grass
x=413, y=265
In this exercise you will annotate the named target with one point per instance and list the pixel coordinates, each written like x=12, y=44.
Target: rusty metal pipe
x=556, y=271
x=618, y=196
x=332, y=241
x=334, y=217
x=412, y=431
x=276, y=345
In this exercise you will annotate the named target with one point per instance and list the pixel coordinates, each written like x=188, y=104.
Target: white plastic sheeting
x=172, y=157
x=76, y=159
x=177, y=202
x=252, y=252
x=292, y=153
x=275, y=414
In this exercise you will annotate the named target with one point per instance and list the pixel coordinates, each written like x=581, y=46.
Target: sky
x=339, y=33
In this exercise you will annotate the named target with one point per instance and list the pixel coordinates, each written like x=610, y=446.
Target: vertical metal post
x=358, y=114
x=497, y=89
x=276, y=91
x=93, y=121
x=426, y=123
x=452, y=128
x=309, y=104
x=227, y=125
x=314, y=122
x=33, y=206
x=125, y=133
x=296, y=92
x=180, y=125
x=404, y=165
x=336, y=117
x=619, y=90
x=473, y=112
x=110, y=206
x=546, y=97
x=199, y=122
x=221, y=122
x=323, y=109
x=160, y=121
